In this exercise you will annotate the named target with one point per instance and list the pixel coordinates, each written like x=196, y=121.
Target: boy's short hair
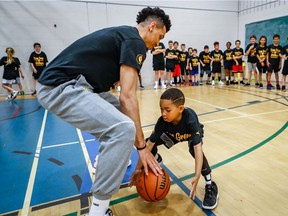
x=190, y=48
x=253, y=36
x=175, y=95
x=176, y=42
x=183, y=44
x=170, y=41
x=229, y=43
x=36, y=44
x=195, y=50
x=206, y=47
x=237, y=41
x=216, y=43
x=276, y=35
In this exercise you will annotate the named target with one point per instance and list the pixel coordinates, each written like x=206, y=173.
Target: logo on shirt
x=139, y=59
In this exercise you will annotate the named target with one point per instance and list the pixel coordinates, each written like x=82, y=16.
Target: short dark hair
x=276, y=35
x=154, y=13
x=175, y=95
x=195, y=50
x=190, y=48
x=263, y=36
x=229, y=43
x=253, y=36
x=170, y=41
x=216, y=43
x=176, y=42
x=206, y=47
x=35, y=44
x=183, y=44
x=237, y=41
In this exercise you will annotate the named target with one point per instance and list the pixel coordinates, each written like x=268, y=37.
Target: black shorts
x=228, y=65
x=216, y=67
x=260, y=68
x=183, y=69
x=273, y=67
x=170, y=68
x=285, y=68
x=36, y=75
x=158, y=66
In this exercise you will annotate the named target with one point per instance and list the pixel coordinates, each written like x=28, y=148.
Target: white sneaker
x=163, y=86
x=155, y=87
x=220, y=83
x=9, y=97
x=14, y=95
x=213, y=83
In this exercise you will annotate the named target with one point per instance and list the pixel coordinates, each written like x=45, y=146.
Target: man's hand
x=148, y=160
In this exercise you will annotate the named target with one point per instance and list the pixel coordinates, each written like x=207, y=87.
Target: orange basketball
x=153, y=188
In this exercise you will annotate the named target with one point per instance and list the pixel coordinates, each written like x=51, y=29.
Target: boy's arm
x=198, y=167
x=33, y=68
x=20, y=71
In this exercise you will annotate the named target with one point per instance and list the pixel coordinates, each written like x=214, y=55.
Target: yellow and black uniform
x=170, y=63
x=90, y=57
x=183, y=61
x=158, y=59
x=188, y=129
x=228, y=60
x=262, y=52
x=194, y=61
x=39, y=61
x=11, y=71
x=205, y=58
x=252, y=58
x=217, y=57
x=285, y=67
x=274, y=58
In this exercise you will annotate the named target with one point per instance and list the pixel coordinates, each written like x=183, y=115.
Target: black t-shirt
x=98, y=57
x=262, y=52
x=204, y=57
x=227, y=56
x=237, y=52
x=252, y=55
x=194, y=62
x=217, y=56
x=158, y=58
x=10, y=71
x=177, y=53
x=273, y=52
x=183, y=58
x=170, y=62
x=38, y=60
x=188, y=129
x=285, y=52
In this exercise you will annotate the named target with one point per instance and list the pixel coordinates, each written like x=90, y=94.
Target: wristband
x=141, y=148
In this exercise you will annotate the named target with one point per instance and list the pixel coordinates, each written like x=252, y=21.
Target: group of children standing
x=181, y=63
x=12, y=69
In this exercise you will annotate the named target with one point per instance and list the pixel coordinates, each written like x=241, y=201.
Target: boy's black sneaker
x=246, y=84
x=283, y=88
x=257, y=84
x=109, y=212
x=272, y=87
x=261, y=86
x=211, y=196
x=278, y=87
x=227, y=82
x=242, y=82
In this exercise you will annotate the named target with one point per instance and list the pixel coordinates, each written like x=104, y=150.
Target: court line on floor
x=187, y=191
x=241, y=154
x=29, y=190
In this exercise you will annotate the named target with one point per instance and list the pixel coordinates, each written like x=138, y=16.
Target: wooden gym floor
x=46, y=163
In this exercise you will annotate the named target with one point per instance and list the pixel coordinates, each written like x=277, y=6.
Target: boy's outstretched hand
x=194, y=184
x=134, y=177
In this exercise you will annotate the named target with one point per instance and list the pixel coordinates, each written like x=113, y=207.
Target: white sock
x=162, y=83
x=241, y=79
x=227, y=78
x=99, y=207
x=208, y=179
x=156, y=83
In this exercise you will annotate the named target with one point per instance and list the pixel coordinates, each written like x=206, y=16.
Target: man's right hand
x=148, y=160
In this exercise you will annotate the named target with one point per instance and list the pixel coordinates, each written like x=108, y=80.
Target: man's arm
x=130, y=107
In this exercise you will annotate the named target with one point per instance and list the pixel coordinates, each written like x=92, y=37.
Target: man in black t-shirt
x=158, y=53
x=250, y=51
x=216, y=57
x=183, y=63
x=38, y=61
x=228, y=62
x=274, y=61
x=75, y=86
x=237, y=69
x=170, y=63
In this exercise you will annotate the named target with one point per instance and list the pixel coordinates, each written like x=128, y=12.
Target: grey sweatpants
x=98, y=114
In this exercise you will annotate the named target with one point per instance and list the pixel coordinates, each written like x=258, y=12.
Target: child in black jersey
x=261, y=53
x=178, y=124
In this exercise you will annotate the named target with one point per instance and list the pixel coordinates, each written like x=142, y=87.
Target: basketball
x=153, y=188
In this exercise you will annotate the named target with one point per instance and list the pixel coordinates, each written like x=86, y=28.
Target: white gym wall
x=56, y=24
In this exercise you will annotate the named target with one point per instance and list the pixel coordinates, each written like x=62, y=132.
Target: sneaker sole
x=211, y=207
